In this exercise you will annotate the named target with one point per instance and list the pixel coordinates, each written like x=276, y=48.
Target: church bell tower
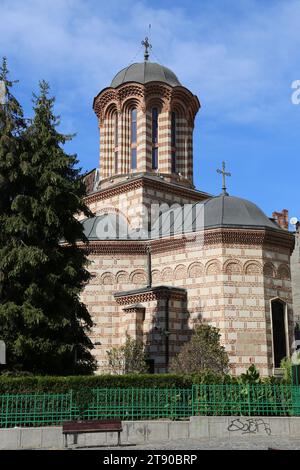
x=146, y=120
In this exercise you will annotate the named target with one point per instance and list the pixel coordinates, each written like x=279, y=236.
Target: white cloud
x=240, y=62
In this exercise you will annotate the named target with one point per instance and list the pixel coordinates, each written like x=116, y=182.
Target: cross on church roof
x=147, y=46
x=224, y=174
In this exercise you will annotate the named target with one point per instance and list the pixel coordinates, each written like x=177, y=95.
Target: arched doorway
x=279, y=331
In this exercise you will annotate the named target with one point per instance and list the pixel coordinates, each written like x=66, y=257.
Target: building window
x=133, y=158
x=173, y=142
x=133, y=139
x=116, y=129
x=154, y=138
x=133, y=125
x=173, y=162
x=279, y=331
x=154, y=158
x=116, y=134
x=154, y=125
x=173, y=129
x=116, y=162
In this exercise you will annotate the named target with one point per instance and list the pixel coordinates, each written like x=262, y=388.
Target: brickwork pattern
x=111, y=102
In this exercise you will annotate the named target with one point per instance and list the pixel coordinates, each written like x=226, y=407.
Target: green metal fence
x=153, y=403
x=246, y=400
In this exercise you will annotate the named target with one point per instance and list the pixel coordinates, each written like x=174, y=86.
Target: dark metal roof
x=143, y=290
x=230, y=211
x=144, y=72
x=216, y=212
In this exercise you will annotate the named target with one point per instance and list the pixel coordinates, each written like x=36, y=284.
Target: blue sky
x=239, y=58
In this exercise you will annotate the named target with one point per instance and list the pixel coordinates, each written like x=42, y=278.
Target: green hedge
x=53, y=384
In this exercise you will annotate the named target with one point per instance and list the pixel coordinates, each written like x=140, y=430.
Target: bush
x=130, y=358
x=202, y=352
x=52, y=384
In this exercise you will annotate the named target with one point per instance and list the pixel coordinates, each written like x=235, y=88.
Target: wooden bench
x=79, y=427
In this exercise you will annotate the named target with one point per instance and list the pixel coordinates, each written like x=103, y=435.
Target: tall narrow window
x=173, y=142
x=154, y=158
x=116, y=162
x=133, y=158
x=173, y=162
x=133, y=135
x=154, y=138
x=173, y=130
x=279, y=331
x=133, y=126
x=116, y=129
x=116, y=141
x=154, y=125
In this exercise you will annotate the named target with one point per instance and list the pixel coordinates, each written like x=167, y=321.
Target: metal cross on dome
x=224, y=174
x=147, y=46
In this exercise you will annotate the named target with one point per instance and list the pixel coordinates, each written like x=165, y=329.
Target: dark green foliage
x=42, y=319
x=27, y=384
x=252, y=375
x=202, y=352
x=130, y=358
x=83, y=397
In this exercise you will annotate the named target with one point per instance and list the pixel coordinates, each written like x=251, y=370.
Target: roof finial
x=224, y=174
x=147, y=46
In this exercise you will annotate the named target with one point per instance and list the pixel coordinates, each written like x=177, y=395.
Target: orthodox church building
x=166, y=256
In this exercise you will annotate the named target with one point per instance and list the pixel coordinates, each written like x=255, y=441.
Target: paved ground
x=258, y=443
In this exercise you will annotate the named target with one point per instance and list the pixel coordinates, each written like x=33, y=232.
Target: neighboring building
x=282, y=218
x=222, y=261
x=295, y=268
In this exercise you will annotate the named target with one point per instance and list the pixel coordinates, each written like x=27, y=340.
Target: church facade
x=166, y=256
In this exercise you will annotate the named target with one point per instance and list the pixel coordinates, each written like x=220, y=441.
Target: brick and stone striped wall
x=120, y=101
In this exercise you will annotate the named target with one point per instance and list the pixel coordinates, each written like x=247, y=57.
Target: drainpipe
x=149, y=266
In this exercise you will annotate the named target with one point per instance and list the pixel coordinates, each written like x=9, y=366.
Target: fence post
x=71, y=403
x=132, y=403
x=194, y=399
x=249, y=399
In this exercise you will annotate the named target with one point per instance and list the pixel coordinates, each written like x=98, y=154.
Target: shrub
x=202, y=352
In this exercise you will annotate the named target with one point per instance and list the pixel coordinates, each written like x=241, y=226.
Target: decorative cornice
x=110, y=247
x=249, y=236
x=146, y=182
x=263, y=238
x=143, y=93
x=149, y=293
x=134, y=309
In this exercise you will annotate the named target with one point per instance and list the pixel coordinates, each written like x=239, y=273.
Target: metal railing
x=46, y=409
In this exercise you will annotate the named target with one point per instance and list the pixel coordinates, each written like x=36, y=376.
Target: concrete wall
x=140, y=432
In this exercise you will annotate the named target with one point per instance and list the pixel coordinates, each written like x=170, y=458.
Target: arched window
x=173, y=142
x=154, y=138
x=116, y=136
x=279, y=331
x=133, y=138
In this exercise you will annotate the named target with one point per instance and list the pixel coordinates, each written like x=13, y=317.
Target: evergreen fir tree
x=42, y=319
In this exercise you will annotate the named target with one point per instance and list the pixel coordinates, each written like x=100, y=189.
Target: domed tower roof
x=234, y=212
x=144, y=72
x=222, y=211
